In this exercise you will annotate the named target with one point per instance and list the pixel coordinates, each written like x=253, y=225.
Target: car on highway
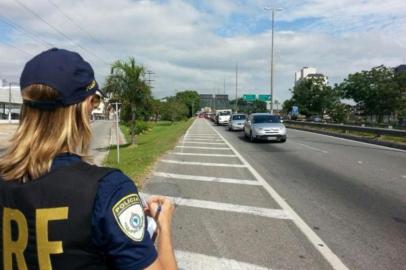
x=265, y=126
x=237, y=121
x=222, y=117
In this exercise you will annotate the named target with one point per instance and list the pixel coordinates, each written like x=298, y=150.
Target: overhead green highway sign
x=264, y=97
x=249, y=97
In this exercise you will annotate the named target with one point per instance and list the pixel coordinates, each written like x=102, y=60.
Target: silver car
x=264, y=126
x=236, y=121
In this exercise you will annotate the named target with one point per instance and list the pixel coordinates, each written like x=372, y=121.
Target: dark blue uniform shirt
x=123, y=252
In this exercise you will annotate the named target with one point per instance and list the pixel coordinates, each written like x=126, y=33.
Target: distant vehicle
x=314, y=118
x=265, y=126
x=210, y=116
x=236, y=121
x=222, y=117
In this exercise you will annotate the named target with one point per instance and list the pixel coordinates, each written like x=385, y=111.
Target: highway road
x=314, y=202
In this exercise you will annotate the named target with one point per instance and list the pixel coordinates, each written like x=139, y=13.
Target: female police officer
x=56, y=210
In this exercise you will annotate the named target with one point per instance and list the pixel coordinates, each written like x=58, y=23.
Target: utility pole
x=224, y=86
x=149, y=81
x=272, y=58
x=236, y=87
x=9, y=102
x=117, y=128
x=272, y=82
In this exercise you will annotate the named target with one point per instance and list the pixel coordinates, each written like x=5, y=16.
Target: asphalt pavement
x=352, y=194
x=314, y=202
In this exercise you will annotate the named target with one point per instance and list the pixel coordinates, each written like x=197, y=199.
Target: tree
x=127, y=83
x=173, y=110
x=400, y=79
x=287, y=105
x=376, y=91
x=191, y=99
x=312, y=96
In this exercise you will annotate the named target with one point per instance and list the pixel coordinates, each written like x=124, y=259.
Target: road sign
x=264, y=97
x=295, y=110
x=249, y=97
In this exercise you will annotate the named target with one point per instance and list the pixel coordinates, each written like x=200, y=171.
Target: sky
x=192, y=44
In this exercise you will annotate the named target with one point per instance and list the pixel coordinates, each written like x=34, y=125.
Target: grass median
x=137, y=160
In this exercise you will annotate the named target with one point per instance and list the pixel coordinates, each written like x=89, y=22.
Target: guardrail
x=377, y=131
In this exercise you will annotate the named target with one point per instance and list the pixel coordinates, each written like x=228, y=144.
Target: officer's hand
x=164, y=217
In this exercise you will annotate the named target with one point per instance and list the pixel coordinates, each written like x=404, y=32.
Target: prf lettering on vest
x=17, y=246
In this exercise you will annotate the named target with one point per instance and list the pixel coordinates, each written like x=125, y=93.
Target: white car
x=265, y=126
x=222, y=117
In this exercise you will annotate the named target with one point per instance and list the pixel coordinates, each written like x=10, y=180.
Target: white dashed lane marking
x=189, y=260
x=201, y=155
x=207, y=179
x=228, y=207
x=217, y=143
x=202, y=147
x=203, y=163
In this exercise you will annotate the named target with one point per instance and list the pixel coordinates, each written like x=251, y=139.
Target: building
x=401, y=68
x=309, y=73
x=214, y=101
x=10, y=100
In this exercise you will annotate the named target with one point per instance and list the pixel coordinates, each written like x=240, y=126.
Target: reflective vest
x=46, y=223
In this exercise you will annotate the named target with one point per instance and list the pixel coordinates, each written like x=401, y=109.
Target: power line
x=57, y=30
x=15, y=47
x=69, y=18
x=22, y=30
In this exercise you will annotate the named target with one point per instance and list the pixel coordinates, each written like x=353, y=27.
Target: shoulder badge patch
x=130, y=217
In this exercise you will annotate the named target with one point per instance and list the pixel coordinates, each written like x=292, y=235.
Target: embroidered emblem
x=130, y=217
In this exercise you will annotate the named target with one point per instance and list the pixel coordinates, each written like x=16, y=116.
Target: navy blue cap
x=63, y=70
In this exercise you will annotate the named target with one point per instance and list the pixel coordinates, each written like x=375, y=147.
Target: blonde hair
x=43, y=134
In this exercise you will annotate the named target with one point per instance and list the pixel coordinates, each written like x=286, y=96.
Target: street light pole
x=272, y=58
x=236, y=88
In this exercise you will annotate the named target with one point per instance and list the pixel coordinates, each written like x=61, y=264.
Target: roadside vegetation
x=136, y=160
x=377, y=93
x=129, y=85
x=151, y=126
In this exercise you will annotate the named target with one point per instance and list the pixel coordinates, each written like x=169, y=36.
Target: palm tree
x=127, y=83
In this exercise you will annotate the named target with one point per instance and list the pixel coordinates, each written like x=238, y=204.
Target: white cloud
x=178, y=40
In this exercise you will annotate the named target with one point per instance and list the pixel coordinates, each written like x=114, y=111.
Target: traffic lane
x=369, y=165
x=384, y=168
x=273, y=243
x=364, y=226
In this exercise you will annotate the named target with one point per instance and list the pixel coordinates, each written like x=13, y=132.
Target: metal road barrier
x=377, y=131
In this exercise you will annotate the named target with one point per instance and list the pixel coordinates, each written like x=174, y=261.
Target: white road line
x=201, y=155
x=201, y=147
x=316, y=241
x=228, y=207
x=313, y=148
x=201, y=135
x=207, y=179
x=348, y=140
x=201, y=142
x=202, y=139
x=196, y=261
x=202, y=163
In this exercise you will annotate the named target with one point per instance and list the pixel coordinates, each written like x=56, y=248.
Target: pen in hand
x=156, y=219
